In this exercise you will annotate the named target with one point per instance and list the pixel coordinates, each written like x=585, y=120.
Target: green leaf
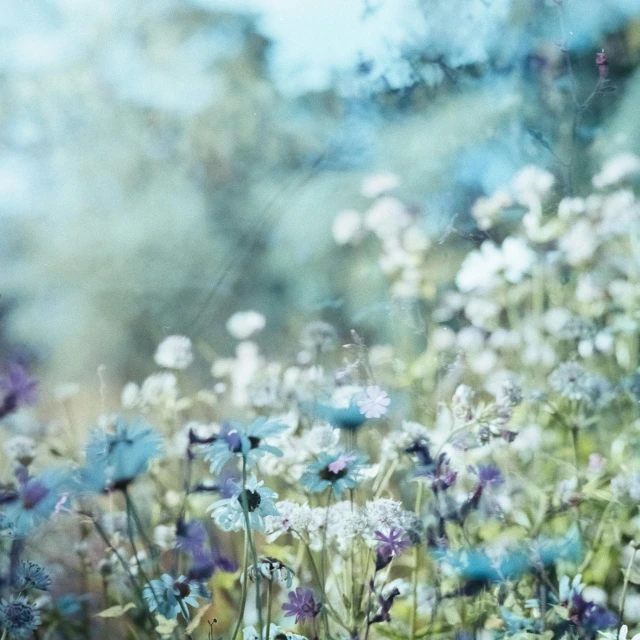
x=117, y=611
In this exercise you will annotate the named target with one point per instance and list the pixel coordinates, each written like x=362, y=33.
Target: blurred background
x=165, y=163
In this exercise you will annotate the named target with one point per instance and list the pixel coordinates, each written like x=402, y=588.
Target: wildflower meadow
x=403, y=403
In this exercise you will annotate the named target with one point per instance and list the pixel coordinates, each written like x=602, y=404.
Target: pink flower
x=375, y=403
x=341, y=463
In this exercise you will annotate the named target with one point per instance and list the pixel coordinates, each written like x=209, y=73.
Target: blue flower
x=339, y=471
x=19, y=618
x=170, y=597
x=250, y=443
x=229, y=512
x=32, y=576
x=33, y=500
x=115, y=460
x=349, y=417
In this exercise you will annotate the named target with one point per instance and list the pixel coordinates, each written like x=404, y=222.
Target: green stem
x=245, y=573
x=254, y=555
x=415, y=571
x=269, y=596
x=625, y=586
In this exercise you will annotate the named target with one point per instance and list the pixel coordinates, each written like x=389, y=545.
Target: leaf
x=116, y=611
x=165, y=626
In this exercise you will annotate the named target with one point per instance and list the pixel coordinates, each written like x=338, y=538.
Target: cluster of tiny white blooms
x=383, y=513
x=20, y=449
x=487, y=211
x=345, y=523
x=490, y=265
x=293, y=518
x=174, y=352
x=243, y=325
x=617, y=170
x=531, y=187
x=240, y=371
x=404, y=244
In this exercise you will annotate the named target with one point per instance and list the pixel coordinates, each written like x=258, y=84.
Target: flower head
x=338, y=471
x=273, y=570
x=302, y=604
x=174, y=352
x=17, y=388
x=114, y=460
x=250, y=443
x=375, y=403
x=19, y=618
x=256, y=498
x=32, y=576
x=170, y=597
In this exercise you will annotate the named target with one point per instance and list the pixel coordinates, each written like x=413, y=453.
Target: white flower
x=616, y=170
x=480, y=268
x=347, y=227
x=21, y=449
x=244, y=324
x=130, y=395
x=624, y=630
x=518, y=258
x=375, y=404
x=387, y=217
x=174, y=352
x=229, y=512
x=486, y=211
x=160, y=388
x=578, y=243
x=379, y=183
x=275, y=633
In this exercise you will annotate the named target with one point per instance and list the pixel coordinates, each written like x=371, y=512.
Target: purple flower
x=194, y=540
x=302, y=604
x=440, y=473
x=489, y=476
x=18, y=388
x=393, y=543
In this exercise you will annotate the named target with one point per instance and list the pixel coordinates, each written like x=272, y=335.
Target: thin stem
x=269, y=596
x=415, y=571
x=245, y=573
x=254, y=555
x=625, y=586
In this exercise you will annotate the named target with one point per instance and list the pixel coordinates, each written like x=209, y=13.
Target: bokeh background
x=165, y=163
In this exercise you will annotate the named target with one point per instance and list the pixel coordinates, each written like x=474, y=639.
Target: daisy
x=170, y=597
x=229, y=514
x=338, y=471
x=375, y=403
x=250, y=443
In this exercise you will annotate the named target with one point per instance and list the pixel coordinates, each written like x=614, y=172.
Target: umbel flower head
x=170, y=597
x=339, y=471
x=250, y=443
x=114, y=460
x=258, y=500
x=19, y=618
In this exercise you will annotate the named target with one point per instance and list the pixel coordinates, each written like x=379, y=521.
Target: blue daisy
x=339, y=471
x=115, y=460
x=229, y=512
x=250, y=442
x=170, y=597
